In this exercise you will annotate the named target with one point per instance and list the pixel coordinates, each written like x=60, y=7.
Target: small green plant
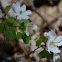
x=18, y=28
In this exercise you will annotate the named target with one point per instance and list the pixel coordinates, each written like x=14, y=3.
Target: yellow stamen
x=29, y=27
x=52, y=42
x=20, y=12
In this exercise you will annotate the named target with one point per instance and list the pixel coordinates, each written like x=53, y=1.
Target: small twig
x=58, y=9
x=37, y=11
x=35, y=50
x=29, y=20
x=50, y=15
x=29, y=53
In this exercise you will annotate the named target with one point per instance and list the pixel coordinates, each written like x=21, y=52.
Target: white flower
x=56, y=57
x=45, y=34
x=53, y=42
x=1, y=14
x=31, y=26
x=20, y=11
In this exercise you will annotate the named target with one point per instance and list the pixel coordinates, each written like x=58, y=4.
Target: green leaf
x=26, y=38
x=22, y=29
x=38, y=42
x=14, y=29
x=19, y=35
x=15, y=22
x=44, y=54
x=11, y=20
x=10, y=34
x=2, y=27
x=22, y=22
x=7, y=8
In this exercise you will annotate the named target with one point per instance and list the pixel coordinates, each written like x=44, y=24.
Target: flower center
x=29, y=27
x=20, y=12
x=52, y=42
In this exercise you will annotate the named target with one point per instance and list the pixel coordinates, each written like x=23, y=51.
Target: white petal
x=21, y=16
x=13, y=6
x=58, y=41
x=27, y=31
x=56, y=57
x=28, y=12
x=25, y=17
x=54, y=49
x=34, y=27
x=48, y=45
x=23, y=8
x=16, y=14
x=59, y=44
x=18, y=4
x=16, y=7
x=18, y=17
x=52, y=35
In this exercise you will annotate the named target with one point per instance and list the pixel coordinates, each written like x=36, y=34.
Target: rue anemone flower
x=53, y=42
x=20, y=11
x=31, y=26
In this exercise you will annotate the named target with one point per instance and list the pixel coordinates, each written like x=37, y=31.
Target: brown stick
x=30, y=4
